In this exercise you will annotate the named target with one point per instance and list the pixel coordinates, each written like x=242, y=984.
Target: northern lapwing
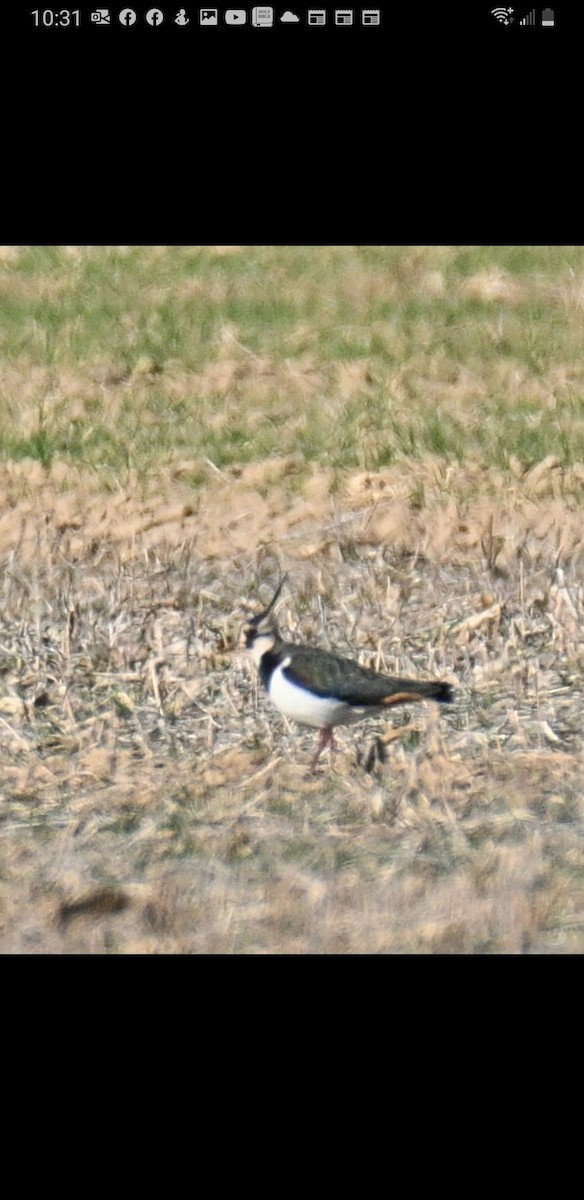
x=321, y=689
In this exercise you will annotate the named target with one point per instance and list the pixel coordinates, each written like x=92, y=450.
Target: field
x=401, y=430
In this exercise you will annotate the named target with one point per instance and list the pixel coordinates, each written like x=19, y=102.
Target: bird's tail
x=436, y=691
x=410, y=690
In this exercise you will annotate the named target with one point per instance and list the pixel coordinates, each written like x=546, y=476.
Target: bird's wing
x=327, y=675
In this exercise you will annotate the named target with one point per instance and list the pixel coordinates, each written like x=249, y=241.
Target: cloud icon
x=289, y=16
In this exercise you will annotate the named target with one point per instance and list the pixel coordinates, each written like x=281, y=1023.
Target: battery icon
x=547, y=17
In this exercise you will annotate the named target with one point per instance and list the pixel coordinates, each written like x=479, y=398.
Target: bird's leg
x=325, y=739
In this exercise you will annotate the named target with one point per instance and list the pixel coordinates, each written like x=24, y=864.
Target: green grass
x=447, y=369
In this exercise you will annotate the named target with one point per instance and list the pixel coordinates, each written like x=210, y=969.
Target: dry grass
x=153, y=802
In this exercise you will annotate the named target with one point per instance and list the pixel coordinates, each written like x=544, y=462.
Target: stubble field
x=401, y=430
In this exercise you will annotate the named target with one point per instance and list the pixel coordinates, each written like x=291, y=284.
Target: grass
x=459, y=350
x=185, y=822
x=402, y=430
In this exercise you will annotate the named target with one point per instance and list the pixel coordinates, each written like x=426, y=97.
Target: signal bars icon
x=503, y=15
x=530, y=19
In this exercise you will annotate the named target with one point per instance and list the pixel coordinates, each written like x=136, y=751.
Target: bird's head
x=261, y=633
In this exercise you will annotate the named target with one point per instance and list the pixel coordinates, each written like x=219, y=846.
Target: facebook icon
x=154, y=16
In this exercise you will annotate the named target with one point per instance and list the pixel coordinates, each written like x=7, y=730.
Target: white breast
x=300, y=705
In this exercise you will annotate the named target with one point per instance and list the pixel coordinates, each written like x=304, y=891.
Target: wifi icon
x=503, y=15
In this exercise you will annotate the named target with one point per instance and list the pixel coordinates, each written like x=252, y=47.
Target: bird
x=315, y=687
